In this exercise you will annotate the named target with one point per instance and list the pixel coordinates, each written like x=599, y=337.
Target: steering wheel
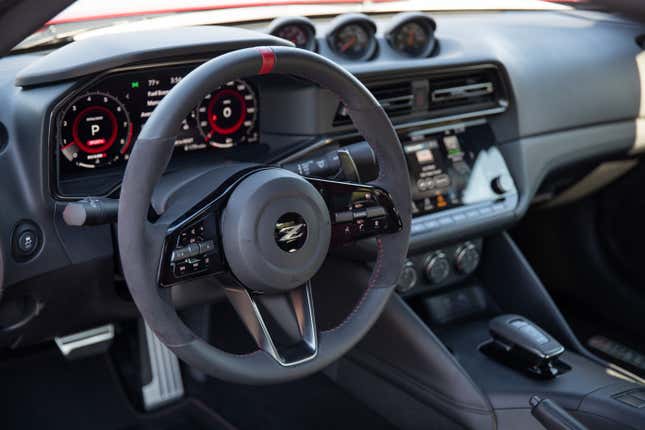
x=260, y=230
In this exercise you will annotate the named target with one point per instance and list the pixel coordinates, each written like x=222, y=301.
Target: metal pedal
x=165, y=383
x=89, y=342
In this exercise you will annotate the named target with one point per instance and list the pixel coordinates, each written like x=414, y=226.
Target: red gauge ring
x=235, y=127
x=98, y=148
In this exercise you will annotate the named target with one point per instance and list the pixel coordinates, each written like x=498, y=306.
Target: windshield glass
x=83, y=10
x=86, y=16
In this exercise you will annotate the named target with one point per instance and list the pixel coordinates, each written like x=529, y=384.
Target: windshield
x=83, y=10
x=88, y=16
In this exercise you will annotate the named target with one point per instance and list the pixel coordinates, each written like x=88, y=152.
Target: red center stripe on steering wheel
x=268, y=60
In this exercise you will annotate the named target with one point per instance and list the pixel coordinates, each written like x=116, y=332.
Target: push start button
x=26, y=240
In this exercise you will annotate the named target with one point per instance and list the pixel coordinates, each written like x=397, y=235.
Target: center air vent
x=397, y=98
x=464, y=92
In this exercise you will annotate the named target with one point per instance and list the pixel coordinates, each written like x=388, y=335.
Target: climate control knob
x=408, y=278
x=437, y=267
x=466, y=258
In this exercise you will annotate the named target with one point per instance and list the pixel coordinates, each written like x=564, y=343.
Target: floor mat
x=42, y=390
x=314, y=403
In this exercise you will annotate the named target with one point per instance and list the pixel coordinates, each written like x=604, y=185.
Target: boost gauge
x=95, y=131
x=227, y=116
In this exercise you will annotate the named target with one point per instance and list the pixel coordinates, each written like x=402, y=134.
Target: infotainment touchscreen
x=450, y=167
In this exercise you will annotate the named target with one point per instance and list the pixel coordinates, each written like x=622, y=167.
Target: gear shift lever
x=521, y=344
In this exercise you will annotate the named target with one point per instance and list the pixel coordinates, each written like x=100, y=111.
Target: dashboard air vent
x=464, y=92
x=397, y=98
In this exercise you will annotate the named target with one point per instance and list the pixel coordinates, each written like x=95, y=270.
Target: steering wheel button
x=181, y=269
x=192, y=250
x=205, y=247
x=179, y=254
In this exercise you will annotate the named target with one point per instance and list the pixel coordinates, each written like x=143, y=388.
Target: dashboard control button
x=417, y=228
x=27, y=241
x=446, y=220
x=486, y=210
x=437, y=267
x=467, y=258
x=459, y=217
x=501, y=184
x=499, y=207
x=408, y=278
x=442, y=181
x=431, y=225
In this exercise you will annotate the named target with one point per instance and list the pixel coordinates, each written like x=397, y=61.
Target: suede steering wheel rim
x=141, y=242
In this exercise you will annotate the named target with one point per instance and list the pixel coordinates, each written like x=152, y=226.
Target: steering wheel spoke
x=283, y=325
x=357, y=211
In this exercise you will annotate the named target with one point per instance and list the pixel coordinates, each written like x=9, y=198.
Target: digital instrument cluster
x=98, y=127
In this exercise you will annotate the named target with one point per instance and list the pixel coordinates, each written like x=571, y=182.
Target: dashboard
x=486, y=105
x=96, y=125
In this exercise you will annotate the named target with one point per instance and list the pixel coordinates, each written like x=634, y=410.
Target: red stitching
x=373, y=278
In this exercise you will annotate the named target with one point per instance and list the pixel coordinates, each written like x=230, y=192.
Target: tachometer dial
x=410, y=38
x=227, y=116
x=95, y=131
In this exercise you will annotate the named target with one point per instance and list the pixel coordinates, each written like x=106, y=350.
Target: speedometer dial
x=227, y=116
x=95, y=131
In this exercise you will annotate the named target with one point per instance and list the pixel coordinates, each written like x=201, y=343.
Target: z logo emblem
x=290, y=232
